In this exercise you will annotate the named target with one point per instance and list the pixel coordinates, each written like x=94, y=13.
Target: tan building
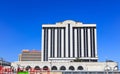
x=28, y=55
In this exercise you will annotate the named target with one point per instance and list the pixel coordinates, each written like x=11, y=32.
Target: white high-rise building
x=68, y=40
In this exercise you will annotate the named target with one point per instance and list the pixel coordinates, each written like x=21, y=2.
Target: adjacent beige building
x=28, y=55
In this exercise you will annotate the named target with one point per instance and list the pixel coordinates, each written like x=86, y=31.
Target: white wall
x=88, y=66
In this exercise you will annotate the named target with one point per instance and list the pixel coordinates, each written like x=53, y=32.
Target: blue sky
x=21, y=22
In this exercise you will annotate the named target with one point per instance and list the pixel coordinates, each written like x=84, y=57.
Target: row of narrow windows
x=85, y=41
x=55, y=68
x=59, y=45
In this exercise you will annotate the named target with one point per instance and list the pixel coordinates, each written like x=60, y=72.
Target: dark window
x=45, y=43
x=71, y=68
x=68, y=40
x=28, y=67
x=58, y=42
x=47, y=46
x=45, y=68
x=62, y=68
x=37, y=68
x=64, y=43
x=53, y=42
x=78, y=42
x=73, y=44
x=93, y=42
x=87, y=41
x=54, y=68
x=84, y=30
x=80, y=68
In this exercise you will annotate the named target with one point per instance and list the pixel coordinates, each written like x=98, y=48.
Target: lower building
x=68, y=66
x=4, y=63
x=28, y=55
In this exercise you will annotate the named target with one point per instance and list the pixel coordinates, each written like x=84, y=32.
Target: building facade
x=69, y=66
x=68, y=47
x=69, y=40
x=28, y=55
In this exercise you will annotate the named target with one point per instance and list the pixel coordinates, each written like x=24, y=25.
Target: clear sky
x=21, y=22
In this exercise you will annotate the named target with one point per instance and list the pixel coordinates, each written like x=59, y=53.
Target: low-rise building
x=4, y=63
x=28, y=55
x=69, y=66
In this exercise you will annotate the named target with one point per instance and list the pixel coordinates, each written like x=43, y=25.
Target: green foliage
x=23, y=72
x=78, y=60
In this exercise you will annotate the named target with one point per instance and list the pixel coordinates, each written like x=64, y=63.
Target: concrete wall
x=87, y=66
